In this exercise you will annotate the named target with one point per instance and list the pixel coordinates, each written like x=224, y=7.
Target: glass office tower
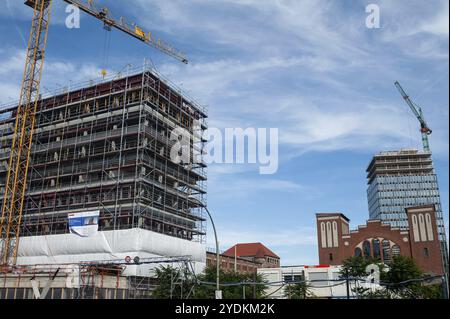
x=401, y=179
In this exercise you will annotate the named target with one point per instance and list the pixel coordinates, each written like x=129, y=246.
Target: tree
x=355, y=267
x=403, y=269
x=173, y=283
x=401, y=278
x=298, y=291
x=206, y=291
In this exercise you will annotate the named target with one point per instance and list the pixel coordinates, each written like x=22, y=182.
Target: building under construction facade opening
x=102, y=184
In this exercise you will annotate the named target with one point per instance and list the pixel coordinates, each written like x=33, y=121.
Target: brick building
x=245, y=258
x=420, y=240
x=255, y=252
x=228, y=263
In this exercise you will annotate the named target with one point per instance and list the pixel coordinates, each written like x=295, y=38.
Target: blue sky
x=310, y=68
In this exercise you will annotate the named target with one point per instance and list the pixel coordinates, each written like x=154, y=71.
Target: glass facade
x=388, y=196
x=401, y=179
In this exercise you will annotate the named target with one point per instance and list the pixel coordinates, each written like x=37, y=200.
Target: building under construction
x=401, y=179
x=107, y=148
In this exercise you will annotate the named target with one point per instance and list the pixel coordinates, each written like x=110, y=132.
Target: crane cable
x=106, y=48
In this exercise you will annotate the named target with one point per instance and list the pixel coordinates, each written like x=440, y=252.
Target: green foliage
x=177, y=284
x=428, y=292
x=377, y=294
x=400, y=270
x=403, y=269
x=298, y=291
x=356, y=266
x=203, y=291
x=173, y=283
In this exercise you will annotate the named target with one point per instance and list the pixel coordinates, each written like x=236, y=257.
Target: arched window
x=329, y=235
x=415, y=229
x=429, y=227
x=335, y=235
x=323, y=234
x=358, y=252
x=376, y=248
x=366, y=248
x=423, y=234
x=395, y=250
x=386, y=244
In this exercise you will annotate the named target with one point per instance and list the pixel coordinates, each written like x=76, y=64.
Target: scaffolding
x=106, y=146
x=86, y=280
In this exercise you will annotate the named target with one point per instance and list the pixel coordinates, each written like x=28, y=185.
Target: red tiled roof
x=250, y=250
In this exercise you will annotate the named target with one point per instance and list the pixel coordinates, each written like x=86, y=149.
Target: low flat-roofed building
x=323, y=280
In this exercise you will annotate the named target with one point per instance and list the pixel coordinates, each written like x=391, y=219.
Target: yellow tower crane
x=16, y=181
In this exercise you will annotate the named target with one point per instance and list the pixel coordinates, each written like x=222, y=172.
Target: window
x=335, y=235
x=376, y=248
x=292, y=278
x=395, y=250
x=288, y=278
x=423, y=235
x=358, y=252
x=318, y=279
x=329, y=235
x=386, y=250
x=426, y=252
x=331, y=257
x=366, y=248
x=415, y=227
x=429, y=227
x=323, y=235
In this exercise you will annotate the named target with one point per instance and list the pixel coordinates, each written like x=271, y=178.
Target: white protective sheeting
x=108, y=245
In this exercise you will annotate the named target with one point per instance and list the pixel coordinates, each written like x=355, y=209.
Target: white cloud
x=56, y=75
x=221, y=78
x=439, y=24
x=9, y=93
x=412, y=17
x=417, y=30
x=15, y=8
x=328, y=55
x=13, y=64
x=343, y=118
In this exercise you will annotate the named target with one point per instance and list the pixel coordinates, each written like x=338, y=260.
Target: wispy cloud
x=57, y=75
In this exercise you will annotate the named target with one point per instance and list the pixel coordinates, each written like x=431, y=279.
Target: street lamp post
x=218, y=291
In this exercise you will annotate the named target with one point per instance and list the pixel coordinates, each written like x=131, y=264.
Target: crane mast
x=417, y=110
x=22, y=140
x=19, y=159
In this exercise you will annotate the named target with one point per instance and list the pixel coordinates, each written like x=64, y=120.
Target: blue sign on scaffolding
x=84, y=224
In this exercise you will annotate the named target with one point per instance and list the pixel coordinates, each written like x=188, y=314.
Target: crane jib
x=424, y=129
